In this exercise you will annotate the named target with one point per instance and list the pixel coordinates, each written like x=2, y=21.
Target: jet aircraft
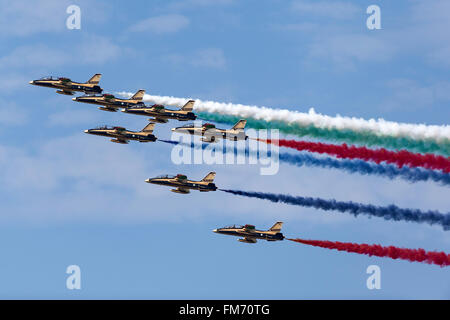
x=249, y=234
x=183, y=185
x=162, y=115
x=68, y=87
x=122, y=135
x=210, y=133
x=110, y=103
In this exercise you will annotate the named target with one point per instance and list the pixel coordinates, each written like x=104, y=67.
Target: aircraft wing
x=209, y=138
x=248, y=240
x=122, y=141
x=181, y=190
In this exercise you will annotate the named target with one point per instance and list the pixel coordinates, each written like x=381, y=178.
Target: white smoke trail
x=379, y=127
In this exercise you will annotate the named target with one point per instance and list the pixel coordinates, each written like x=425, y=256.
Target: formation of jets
x=92, y=94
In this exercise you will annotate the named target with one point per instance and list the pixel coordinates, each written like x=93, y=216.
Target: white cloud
x=91, y=50
x=97, y=50
x=163, y=24
x=407, y=94
x=208, y=58
x=72, y=117
x=211, y=57
x=10, y=82
x=34, y=55
x=23, y=18
x=344, y=50
x=329, y=9
x=11, y=114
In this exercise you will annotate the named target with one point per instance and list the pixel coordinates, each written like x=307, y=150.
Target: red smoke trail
x=419, y=255
x=400, y=158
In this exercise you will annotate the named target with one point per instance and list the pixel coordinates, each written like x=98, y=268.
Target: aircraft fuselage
x=213, y=134
x=162, y=115
x=67, y=87
x=115, y=102
x=123, y=135
x=257, y=234
x=184, y=184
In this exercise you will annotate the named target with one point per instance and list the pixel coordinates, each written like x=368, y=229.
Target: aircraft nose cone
x=86, y=131
x=173, y=129
x=74, y=99
x=148, y=180
x=215, y=230
x=31, y=82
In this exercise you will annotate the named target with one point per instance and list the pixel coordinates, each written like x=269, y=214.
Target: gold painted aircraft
x=210, y=133
x=122, y=135
x=249, y=234
x=183, y=185
x=111, y=103
x=68, y=87
x=162, y=115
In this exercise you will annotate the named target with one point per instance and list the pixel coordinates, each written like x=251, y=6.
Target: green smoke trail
x=359, y=138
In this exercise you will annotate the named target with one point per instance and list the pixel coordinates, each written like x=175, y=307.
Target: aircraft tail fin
x=276, y=227
x=149, y=128
x=189, y=106
x=138, y=95
x=95, y=79
x=209, y=177
x=240, y=125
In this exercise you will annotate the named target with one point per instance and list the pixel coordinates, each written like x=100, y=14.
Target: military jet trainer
x=183, y=185
x=250, y=234
x=162, y=115
x=210, y=133
x=68, y=87
x=122, y=135
x=110, y=103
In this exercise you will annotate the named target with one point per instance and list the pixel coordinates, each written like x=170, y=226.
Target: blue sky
x=68, y=198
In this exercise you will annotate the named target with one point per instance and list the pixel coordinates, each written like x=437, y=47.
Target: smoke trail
x=369, y=131
x=352, y=166
x=362, y=167
x=400, y=158
x=414, y=255
x=361, y=138
x=391, y=212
